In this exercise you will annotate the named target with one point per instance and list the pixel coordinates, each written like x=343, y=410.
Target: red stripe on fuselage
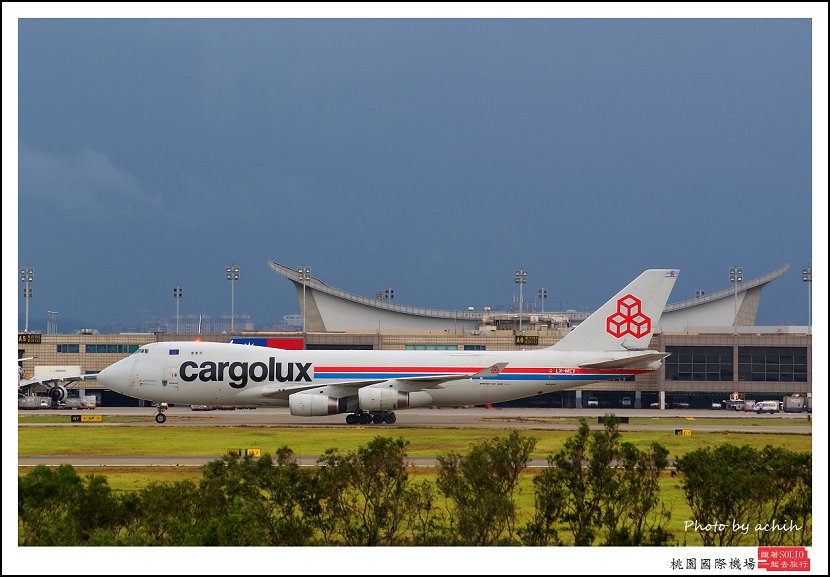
x=449, y=370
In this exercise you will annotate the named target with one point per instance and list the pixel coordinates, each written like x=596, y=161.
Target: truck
x=84, y=402
x=34, y=402
x=793, y=404
x=766, y=407
x=735, y=402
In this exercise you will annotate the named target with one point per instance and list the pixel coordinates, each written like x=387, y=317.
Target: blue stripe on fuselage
x=501, y=377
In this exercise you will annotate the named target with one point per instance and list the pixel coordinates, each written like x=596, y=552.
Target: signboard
x=527, y=339
x=683, y=432
x=249, y=452
x=291, y=344
x=29, y=338
x=86, y=419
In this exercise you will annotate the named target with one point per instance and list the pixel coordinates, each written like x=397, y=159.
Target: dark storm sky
x=431, y=156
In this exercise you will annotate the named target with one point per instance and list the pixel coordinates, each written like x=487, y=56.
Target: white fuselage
x=228, y=374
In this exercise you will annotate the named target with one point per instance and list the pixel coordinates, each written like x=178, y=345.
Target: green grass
x=95, y=440
x=136, y=478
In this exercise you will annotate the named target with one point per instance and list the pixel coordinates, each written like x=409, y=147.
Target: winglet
x=491, y=371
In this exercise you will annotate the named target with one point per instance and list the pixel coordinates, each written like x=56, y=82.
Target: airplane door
x=171, y=377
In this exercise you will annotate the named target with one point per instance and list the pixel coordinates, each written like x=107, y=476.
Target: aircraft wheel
x=390, y=418
x=160, y=418
x=364, y=419
x=377, y=418
x=351, y=419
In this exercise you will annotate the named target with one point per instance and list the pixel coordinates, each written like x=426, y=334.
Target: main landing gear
x=160, y=418
x=372, y=417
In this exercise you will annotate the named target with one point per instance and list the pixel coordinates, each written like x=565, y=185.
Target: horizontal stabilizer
x=627, y=362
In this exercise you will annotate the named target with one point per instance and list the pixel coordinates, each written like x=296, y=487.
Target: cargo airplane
x=52, y=379
x=369, y=386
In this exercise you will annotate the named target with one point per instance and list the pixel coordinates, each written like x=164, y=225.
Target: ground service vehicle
x=767, y=407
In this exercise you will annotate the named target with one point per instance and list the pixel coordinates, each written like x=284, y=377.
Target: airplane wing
x=430, y=381
x=626, y=363
x=51, y=382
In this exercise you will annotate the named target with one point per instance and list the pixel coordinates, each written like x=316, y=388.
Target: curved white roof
x=331, y=309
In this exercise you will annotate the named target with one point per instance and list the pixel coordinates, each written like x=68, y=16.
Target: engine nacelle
x=378, y=399
x=314, y=405
x=57, y=393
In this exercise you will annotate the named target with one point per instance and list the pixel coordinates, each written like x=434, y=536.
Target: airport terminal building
x=714, y=351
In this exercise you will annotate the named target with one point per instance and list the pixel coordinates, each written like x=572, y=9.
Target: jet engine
x=57, y=393
x=317, y=405
x=378, y=399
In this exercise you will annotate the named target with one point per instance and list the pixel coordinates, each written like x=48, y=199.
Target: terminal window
x=773, y=364
x=699, y=364
x=68, y=348
x=110, y=348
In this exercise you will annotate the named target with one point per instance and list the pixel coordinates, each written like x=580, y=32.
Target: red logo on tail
x=629, y=319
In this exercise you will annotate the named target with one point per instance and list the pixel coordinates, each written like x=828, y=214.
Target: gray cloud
x=83, y=183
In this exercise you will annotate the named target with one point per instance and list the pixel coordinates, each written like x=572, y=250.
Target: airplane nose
x=116, y=376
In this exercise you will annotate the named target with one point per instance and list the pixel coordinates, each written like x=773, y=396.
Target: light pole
x=305, y=275
x=807, y=277
x=233, y=276
x=27, y=275
x=177, y=294
x=736, y=275
x=543, y=294
x=521, y=280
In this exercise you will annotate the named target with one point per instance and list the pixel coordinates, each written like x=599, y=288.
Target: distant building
x=332, y=309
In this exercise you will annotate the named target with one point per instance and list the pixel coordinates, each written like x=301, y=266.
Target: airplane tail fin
x=628, y=320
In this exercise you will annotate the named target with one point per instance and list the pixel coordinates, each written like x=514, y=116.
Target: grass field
x=93, y=440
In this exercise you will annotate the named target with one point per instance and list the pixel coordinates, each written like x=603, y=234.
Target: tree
x=549, y=500
x=56, y=506
x=631, y=515
x=598, y=485
x=723, y=488
x=480, y=486
x=767, y=493
x=582, y=476
x=166, y=514
x=367, y=495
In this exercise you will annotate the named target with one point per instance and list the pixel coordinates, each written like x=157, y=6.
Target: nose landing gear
x=371, y=417
x=160, y=418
